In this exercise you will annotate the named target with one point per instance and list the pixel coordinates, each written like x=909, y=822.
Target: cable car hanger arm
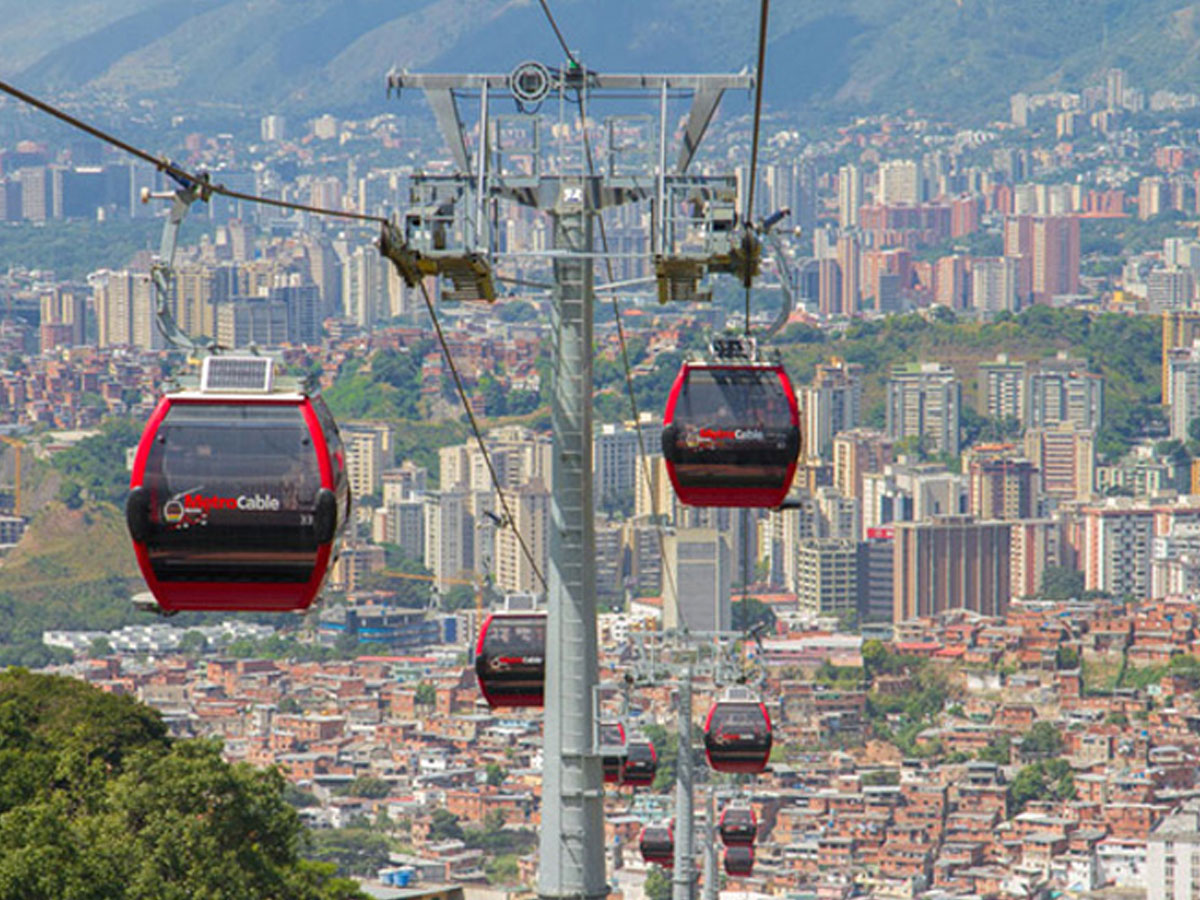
x=162, y=271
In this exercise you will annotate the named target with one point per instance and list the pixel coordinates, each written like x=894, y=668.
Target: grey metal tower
x=451, y=230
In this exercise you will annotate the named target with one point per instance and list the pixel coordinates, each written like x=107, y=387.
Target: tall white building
x=1173, y=856
x=530, y=505
x=126, y=310
x=449, y=536
x=994, y=284
x=899, y=182
x=1062, y=390
x=1002, y=385
x=923, y=401
x=827, y=580
x=850, y=195
x=364, y=459
x=364, y=287
x=615, y=463
x=696, y=585
x=1118, y=547
x=830, y=405
x=1183, y=371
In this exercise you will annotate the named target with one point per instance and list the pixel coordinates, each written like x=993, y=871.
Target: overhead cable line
x=487, y=457
x=747, y=240
x=178, y=173
x=558, y=33
x=203, y=186
x=764, y=12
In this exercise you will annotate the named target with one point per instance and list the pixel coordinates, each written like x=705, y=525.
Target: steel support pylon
x=571, y=841
x=571, y=845
x=683, y=872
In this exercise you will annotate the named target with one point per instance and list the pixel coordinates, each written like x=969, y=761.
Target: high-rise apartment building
x=615, y=463
x=364, y=459
x=1180, y=328
x=876, y=567
x=951, y=562
x=1002, y=388
x=1152, y=197
x=252, y=320
x=1035, y=544
x=1062, y=390
x=1066, y=457
x=951, y=283
x=923, y=401
x=831, y=404
x=857, y=452
x=829, y=287
x=1183, y=368
x=530, y=505
x=850, y=195
x=899, y=183
x=696, y=586
x=849, y=257
x=126, y=311
x=449, y=536
x=1173, y=855
x=995, y=284
x=1055, y=257
x=1117, y=548
x=1000, y=483
x=827, y=577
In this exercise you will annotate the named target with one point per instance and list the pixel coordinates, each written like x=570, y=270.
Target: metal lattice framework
x=451, y=231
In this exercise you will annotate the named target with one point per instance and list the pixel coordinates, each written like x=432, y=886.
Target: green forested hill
x=840, y=56
x=1126, y=350
x=96, y=803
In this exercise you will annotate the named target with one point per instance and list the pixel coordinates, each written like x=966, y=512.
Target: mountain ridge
x=827, y=56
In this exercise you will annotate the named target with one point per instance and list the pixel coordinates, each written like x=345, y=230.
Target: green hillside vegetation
x=71, y=249
x=74, y=569
x=96, y=803
x=1126, y=350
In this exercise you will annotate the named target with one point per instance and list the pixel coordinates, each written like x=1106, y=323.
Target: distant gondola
x=738, y=825
x=641, y=762
x=238, y=493
x=737, y=733
x=612, y=734
x=658, y=844
x=731, y=434
x=739, y=860
x=510, y=659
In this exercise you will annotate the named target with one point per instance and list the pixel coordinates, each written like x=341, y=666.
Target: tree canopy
x=97, y=803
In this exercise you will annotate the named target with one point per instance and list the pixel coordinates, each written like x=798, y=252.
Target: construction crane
x=17, y=444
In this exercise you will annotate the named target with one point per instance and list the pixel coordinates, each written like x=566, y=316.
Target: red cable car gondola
x=641, y=762
x=738, y=825
x=739, y=860
x=737, y=733
x=658, y=844
x=612, y=734
x=510, y=659
x=731, y=434
x=238, y=494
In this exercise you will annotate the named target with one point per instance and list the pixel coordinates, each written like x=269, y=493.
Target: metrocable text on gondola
x=175, y=509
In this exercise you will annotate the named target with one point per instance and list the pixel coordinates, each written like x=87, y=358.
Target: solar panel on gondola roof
x=254, y=374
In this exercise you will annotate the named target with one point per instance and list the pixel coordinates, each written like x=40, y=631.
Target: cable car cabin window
x=731, y=427
x=233, y=494
x=333, y=443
